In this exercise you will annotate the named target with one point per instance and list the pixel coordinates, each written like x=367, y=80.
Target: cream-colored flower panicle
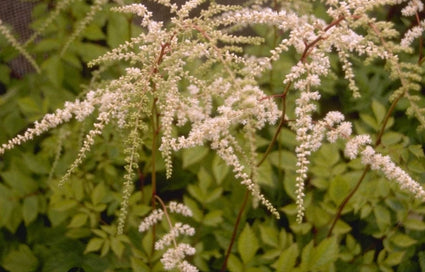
x=310, y=136
x=175, y=253
x=359, y=145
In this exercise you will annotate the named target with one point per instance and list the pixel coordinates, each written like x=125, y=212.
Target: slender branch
x=153, y=159
x=386, y=119
x=165, y=49
x=235, y=230
x=377, y=141
x=303, y=58
x=167, y=216
x=154, y=148
x=346, y=199
x=279, y=128
x=312, y=44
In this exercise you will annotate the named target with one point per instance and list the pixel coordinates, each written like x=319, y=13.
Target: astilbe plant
x=188, y=83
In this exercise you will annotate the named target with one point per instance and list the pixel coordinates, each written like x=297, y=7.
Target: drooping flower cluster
x=310, y=135
x=243, y=105
x=107, y=102
x=303, y=125
x=214, y=106
x=314, y=39
x=360, y=145
x=174, y=256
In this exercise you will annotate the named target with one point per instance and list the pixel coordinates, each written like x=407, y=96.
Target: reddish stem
x=235, y=231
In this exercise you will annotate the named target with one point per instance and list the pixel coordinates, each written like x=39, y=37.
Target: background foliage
x=73, y=228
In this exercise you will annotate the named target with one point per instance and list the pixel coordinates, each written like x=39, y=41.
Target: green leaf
x=394, y=258
x=100, y=233
x=204, y=179
x=306, y=257
x=13, y=123
x=283, y=159
x=94, y=244
x=289, y=183
x=15, y=217
x=421, y=256
x=414, y=224
x=287, y=137
x=20, y=260
x=383, y=217
x=417, y=166
x=325, y=253
x=30, y=107
x=196, y=192
x=247, y=244
x=403, y=240
x=269, y=235
x=93, y=32
x=117, y=247
x=382, y=188
x=117, y=30
x=327, y=156
x=341, y=227
x=213, y=218
x=285, y=239
x=147, y=242
x=234, y=264
x=78, y=233
x=77, y=186
x=20, y=182
x=417, y=151
x=391, y=138
x=339, y=188
x=193, y=155
x=302, y=228
x=317, y=215
x=36, y=163
x=197, y=213
x=64, y=205
x=89, y=51
x=378, y=110
x=4, y=74
x=265, y=176
x=78, y=220
x=219, y=169
x=6, y=210
x=369, y=256
x=214, y=195
x=72, y=59
x=139, y=265
x=287, y=259
x=369, y=120
x=57, y=217
x=30, y=209
x=47, y=45
x=271, y=254
x=290, y=209
x=98, y=193
x=105, y=248
x=53, y=69
x=365, y=210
